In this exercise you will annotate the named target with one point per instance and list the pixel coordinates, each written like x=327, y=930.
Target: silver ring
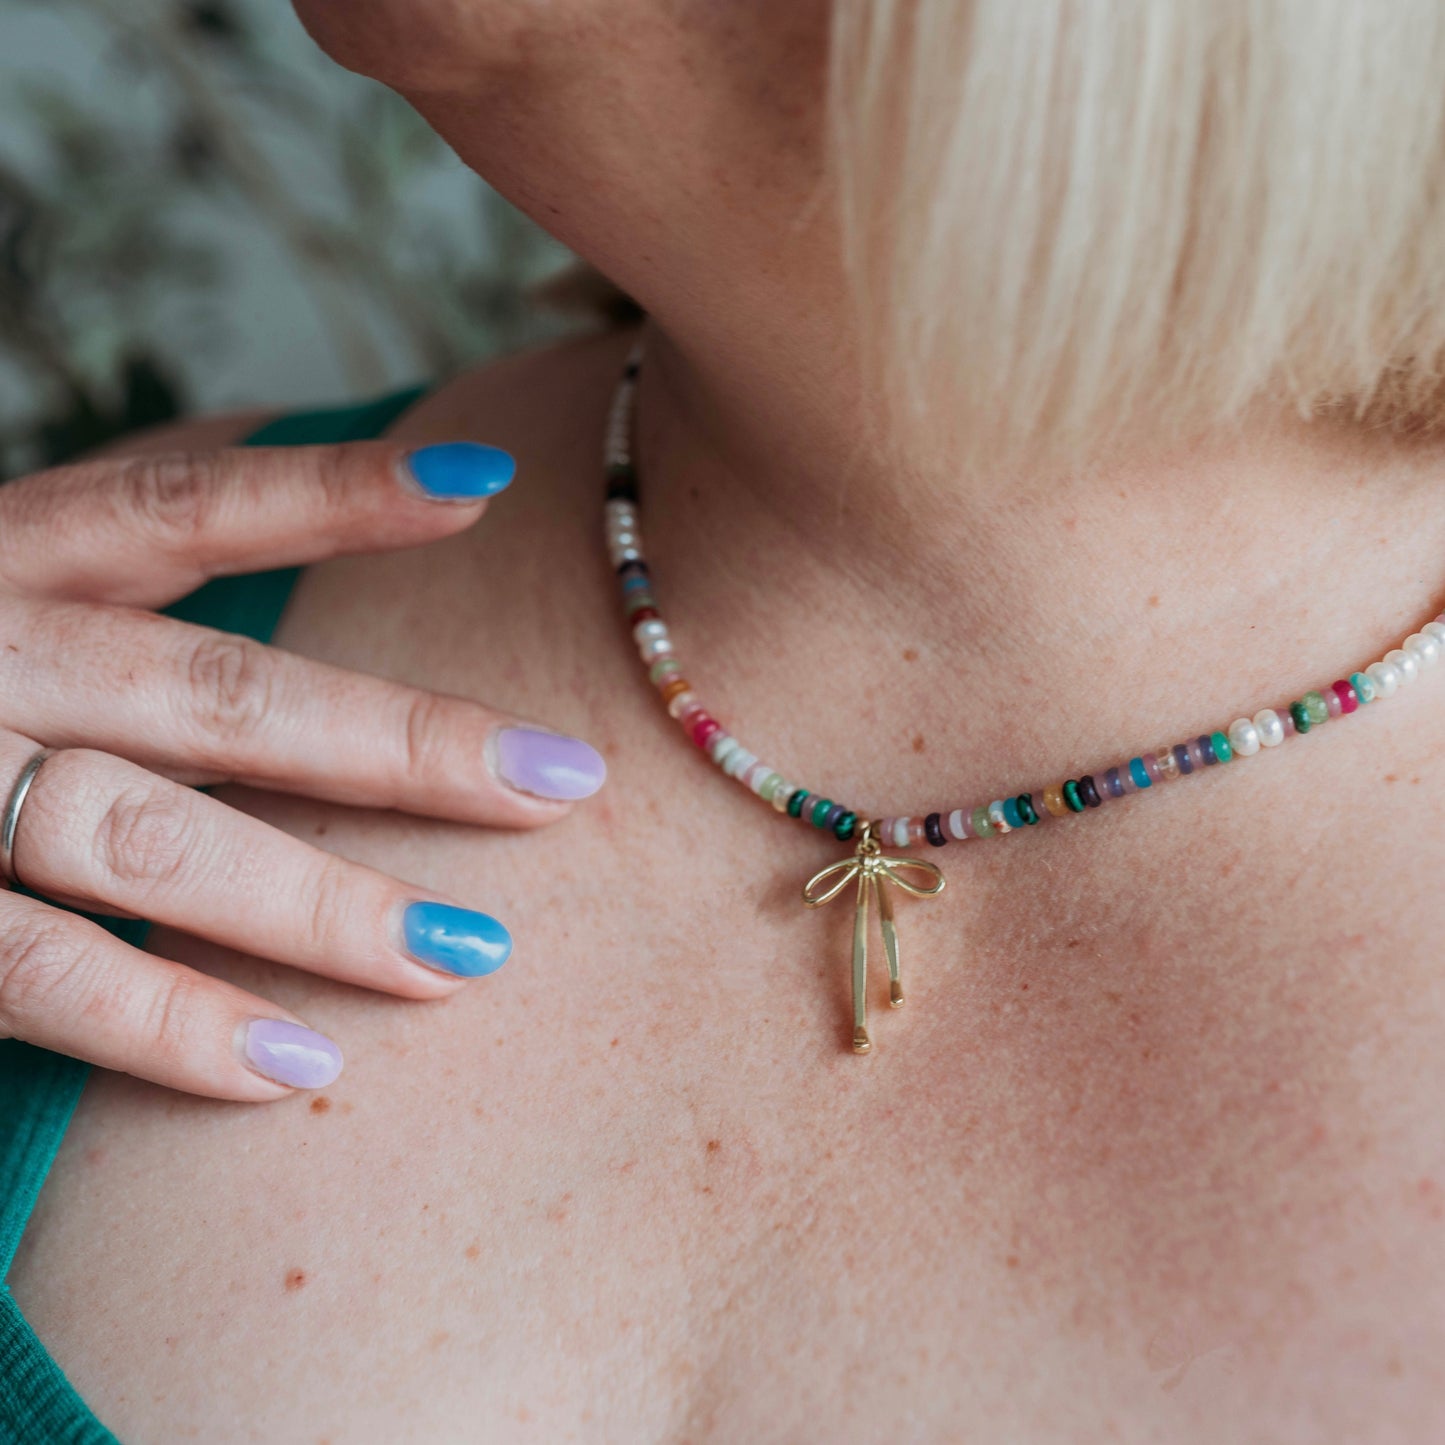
x=11, y=815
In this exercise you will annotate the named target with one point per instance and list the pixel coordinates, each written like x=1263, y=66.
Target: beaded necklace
x=869, y=867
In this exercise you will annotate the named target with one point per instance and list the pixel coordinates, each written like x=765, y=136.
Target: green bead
x=770, y=786
x=1364, y=686
x=795, y=803
x=1220, y=743
x=1072, y=797
x=1301, y=715
x=1316, y=707
x=982, y=823
x=663, y=667
x=819, y=812
x=845, y=825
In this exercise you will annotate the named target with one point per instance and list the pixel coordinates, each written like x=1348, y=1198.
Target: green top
x=39, y=1090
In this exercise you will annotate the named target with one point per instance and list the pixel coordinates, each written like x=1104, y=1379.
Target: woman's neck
x=1055, y=616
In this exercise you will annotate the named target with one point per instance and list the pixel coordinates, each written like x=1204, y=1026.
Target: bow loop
x=816, y=894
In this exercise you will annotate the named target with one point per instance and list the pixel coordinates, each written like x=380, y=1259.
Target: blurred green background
x=198, y=211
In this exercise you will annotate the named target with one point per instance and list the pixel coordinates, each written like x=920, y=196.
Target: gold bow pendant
x=872, y=870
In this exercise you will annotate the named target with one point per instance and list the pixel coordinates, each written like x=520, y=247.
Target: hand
x=141, y=705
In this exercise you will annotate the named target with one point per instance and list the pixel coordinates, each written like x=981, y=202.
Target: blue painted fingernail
x=461, y=471
x=455, y=940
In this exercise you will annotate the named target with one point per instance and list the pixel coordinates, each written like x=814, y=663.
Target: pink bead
x=704, y=729
x=1332, y=701
x=916, y=833
x=688, y=715
x=1286, y=717
x=1345, y=693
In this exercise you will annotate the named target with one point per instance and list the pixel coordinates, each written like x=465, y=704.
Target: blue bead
x=1363, y=685
x=1139, y=773
x=1011, y=814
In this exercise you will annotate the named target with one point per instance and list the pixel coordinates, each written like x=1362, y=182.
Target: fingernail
x=455, y=940
x=461, y=471
x=547, y=765
x=291, y=1054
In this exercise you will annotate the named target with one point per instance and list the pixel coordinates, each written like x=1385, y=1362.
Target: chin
x=430, y=45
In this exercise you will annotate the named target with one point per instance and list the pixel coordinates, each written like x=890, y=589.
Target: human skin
x=1152, y=1152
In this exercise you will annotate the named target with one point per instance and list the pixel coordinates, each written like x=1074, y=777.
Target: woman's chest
x=1149, y=1170
x=1152, y=1151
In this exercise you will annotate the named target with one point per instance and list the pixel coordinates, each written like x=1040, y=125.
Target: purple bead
x=1182, y=758
x=1206, y=749
x=1113, y=783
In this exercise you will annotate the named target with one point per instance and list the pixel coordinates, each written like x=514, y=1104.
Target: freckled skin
x=1149, y=1155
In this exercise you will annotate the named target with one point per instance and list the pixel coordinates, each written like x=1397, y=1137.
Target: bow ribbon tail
x=890, y=940
x=866, y=885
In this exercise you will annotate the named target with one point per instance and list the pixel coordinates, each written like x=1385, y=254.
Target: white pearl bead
x=1435, y=630
x=1385, y=676
x=1269, y=728
x=1409, y=668
x=955, y=824
x=652, y=627
x=1423, y=648
x=1243, y=738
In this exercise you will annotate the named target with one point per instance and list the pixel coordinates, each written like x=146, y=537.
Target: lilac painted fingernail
x=547, y=765
x=291, y=1054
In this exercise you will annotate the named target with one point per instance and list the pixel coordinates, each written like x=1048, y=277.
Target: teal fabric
x=39, y=1090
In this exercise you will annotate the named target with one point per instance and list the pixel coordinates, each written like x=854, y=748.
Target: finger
x=146, y=530
x=211, y=706
x=103, y=830
x=68, y=985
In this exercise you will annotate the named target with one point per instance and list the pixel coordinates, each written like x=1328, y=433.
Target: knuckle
x=142, y=836
x=334, y=469
x=231, y=680
x=171, y=496
x=166, y=1023
x=428, y=737
x=37, y=971
x=330, y=904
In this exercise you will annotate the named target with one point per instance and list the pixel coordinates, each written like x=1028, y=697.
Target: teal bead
x=1301, y=715
x=1364, y=686
x=1222, y=750
x=1073, y=797
x=818, y=813
x=1316, y=707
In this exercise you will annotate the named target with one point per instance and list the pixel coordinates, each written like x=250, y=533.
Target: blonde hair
x=1065, y=215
